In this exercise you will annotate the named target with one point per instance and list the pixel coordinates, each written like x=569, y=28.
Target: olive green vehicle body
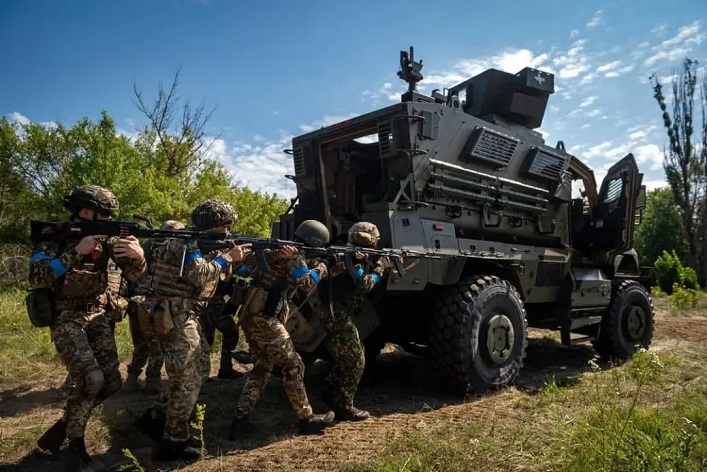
x=471, y=179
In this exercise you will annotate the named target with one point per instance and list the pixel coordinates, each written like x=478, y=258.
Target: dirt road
x=405, y=392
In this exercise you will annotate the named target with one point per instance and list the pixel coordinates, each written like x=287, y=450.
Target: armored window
x=613, y=191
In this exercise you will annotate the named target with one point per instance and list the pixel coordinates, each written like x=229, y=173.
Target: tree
x=661, y=228
x=686, y=157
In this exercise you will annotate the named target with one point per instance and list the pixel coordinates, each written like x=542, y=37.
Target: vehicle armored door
x=615, y=211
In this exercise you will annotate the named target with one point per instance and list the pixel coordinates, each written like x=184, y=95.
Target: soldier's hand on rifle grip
x=128, y=247
x=361, y=256
x=286, y=252
x=238, y=253
x=89, y=243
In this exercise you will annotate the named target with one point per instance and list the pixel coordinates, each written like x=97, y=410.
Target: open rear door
x=615, y=211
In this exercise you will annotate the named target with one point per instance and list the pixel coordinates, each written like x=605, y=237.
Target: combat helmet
x=91, y=197
x=364, y=234
x=313, y=233
x=172, y=224
x=213, y=213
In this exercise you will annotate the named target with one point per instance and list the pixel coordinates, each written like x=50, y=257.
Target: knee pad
x=93, y=383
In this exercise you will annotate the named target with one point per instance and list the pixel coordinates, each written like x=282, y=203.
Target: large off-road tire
x=479, y=333
x=627, y=323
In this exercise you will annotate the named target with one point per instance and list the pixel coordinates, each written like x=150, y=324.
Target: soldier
x=262, y=315
x=341, y=295
x=182, y=284
x=146, y=349
x=216, y=216
x=84, y=281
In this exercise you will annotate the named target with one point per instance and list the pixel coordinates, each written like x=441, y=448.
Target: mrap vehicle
x=524, y=235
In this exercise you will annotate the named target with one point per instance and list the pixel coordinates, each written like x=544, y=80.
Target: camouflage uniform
x=262, y=315
x=340, y=296
x=186, y=297
x=146, y=348
x=218, y=315
x=85, y=292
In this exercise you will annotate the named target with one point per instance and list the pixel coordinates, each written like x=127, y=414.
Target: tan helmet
x=213, y=213
x=364, y=234
x=91, y=197
x=313, y=233
x=172, y=224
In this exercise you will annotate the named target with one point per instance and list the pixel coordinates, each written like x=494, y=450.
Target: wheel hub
x=499, y=338
x=635, y=322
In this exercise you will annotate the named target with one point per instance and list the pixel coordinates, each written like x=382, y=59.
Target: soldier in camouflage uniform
x=262, y=315
x=85, y=280
x=146, y=349
x=216, y=216
x=174, y=308
x=340, y=297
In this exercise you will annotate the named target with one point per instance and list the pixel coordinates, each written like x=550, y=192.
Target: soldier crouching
x=182, y=285
x=84, y=282
x=262, y=315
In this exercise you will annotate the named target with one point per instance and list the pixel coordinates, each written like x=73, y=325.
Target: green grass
x=647, y=415
x=27, y=352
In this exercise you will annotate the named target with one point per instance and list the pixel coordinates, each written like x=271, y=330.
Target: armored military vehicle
x=525, y=237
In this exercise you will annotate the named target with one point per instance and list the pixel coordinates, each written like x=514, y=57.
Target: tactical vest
x=167, y=282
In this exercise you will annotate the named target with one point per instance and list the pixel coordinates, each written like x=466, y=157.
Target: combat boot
x=315, y=424
x=351, y=414
x=240, y=426
x=78, y=456
x=229, y=373
x=131, y=383
x=154, y=385
x=54, y=437
x=152, y=423
x=170, y=450
x=242, y=357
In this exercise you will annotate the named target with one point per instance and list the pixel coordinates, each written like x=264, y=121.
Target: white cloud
x=595, y=20
x=649, y=154
x=510, y=60
x=637, y=135
x=610, y=66
x=680, y=45
x=574, y=62
x=574, y=33
x=653, y=184
x=588, y=101
x=19, y=118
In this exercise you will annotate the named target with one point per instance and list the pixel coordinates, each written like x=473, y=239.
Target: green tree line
x=163, y=171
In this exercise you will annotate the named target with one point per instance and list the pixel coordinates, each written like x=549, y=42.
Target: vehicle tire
x=479, y=333
x=628, y=322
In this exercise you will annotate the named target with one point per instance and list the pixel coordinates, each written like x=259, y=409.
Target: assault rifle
x=57, y=231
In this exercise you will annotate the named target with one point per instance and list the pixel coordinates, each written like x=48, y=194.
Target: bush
x=684, y=298
x=670, y=272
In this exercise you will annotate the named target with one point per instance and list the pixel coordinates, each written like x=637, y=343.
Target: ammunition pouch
x=83, y=284
x=116, y=307
x=40, y=307
x=155, y=315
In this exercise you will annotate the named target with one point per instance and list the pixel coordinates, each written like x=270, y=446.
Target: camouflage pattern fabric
x=81, y=333
x=182, y=351
x=348, y=352
x=270, y=344
x=269, y=341
x=343, y=339
x=182, y=347
x=146, y=350
x=86, y=345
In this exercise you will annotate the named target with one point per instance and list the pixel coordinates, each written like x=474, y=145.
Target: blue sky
x=274, y=69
